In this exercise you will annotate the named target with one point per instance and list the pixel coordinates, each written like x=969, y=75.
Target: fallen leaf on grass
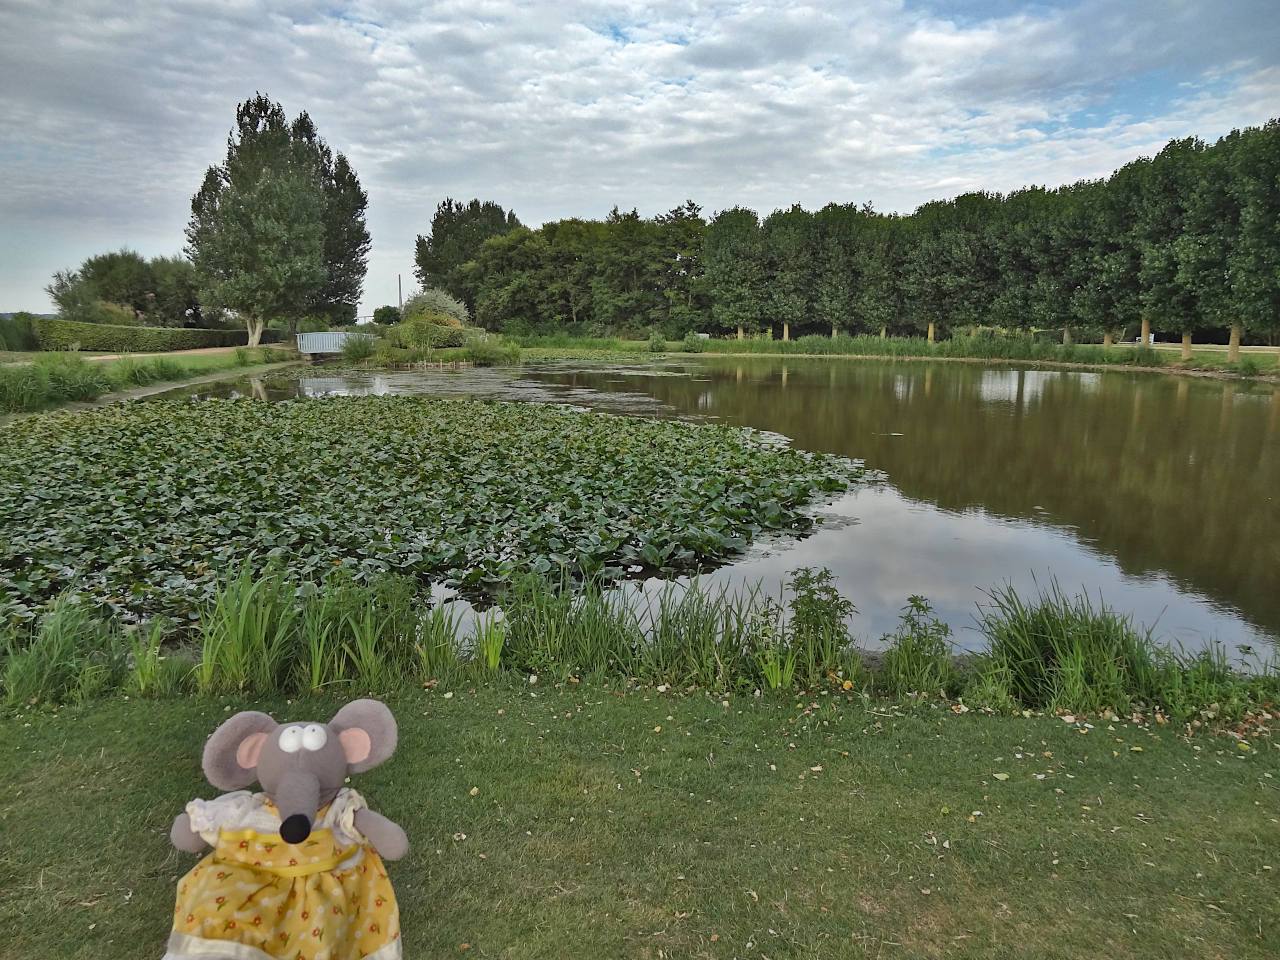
x=1001, y=776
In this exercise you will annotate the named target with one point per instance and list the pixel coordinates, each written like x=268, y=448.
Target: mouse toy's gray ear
x=367, y=731
x=231, y=753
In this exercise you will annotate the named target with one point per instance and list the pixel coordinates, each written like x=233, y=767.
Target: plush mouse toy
x=296, y=871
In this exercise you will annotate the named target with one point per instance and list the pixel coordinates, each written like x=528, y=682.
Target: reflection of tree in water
x=1163, y=473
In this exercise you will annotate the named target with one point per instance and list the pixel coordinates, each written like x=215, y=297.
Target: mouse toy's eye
x=314, y=736
x=291, y=739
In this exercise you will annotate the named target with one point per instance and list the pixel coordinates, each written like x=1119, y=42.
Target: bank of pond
x=264, y=633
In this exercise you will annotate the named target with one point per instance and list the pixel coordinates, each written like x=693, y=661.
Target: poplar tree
x=277, y=229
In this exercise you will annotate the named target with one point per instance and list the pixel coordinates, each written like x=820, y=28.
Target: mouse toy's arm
x=383, y=835
x=183, y=837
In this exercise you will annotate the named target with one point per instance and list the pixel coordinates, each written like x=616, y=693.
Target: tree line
x=1186, y=242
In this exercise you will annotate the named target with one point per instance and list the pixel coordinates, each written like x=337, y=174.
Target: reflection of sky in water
x=881, y=546
x=897, y=547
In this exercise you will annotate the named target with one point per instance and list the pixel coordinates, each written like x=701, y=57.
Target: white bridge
x=311, y=344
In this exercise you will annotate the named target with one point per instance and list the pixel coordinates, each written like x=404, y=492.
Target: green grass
x=609, y=821
x=52, y=379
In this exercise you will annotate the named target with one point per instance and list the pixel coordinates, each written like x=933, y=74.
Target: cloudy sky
x=110, y=112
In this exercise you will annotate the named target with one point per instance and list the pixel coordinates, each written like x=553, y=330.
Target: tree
x=122, y=287
x=457, y=231
x=277, y=230
x=680, y=233
x=733, y=256
x=386, y=315
x=787, y=237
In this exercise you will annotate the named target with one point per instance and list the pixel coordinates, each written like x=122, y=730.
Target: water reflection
x=1157, y=492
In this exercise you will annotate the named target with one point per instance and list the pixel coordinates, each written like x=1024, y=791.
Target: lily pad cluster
x=142, y=506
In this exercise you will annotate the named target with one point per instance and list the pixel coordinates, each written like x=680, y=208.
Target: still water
x=1155, y=493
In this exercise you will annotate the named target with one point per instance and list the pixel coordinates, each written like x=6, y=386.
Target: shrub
x=386, y=316
x=918, y=660
x=692, y=343
x=55, y=334
x=657, y=343
x=435, y=302
x=357, y=347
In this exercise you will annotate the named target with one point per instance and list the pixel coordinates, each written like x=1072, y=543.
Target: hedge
x=55, y=334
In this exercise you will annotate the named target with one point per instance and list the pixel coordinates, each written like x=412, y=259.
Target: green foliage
x=818, y=628
x=357, y=348
x=265, y=632
x=386, y=316
x=470, y=490
x=70, y=654
x=277, y=230
x=457, y=232
x=1060, y=652
x=124, y=288
x=438, y=306
x=17, y=333
x=71, y=377
x=657, y=343
x=57, y=334
x=59, y=378
x=918, y=660
x=692, y=343
x=23, y=387
x=1187, y=238
x=487, y=353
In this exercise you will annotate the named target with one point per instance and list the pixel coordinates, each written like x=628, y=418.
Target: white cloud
x=110, y=114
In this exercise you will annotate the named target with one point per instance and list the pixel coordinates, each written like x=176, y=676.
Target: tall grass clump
x=357, y=348
x=68, y=654
x=557, y=628
x=487, y=353
x=23, y=387
x=709, y=637
x=918, y=660
x=71, y=377
x=1062, y=652
x=247, y=633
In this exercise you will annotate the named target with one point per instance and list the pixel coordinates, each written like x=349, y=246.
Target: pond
x=1155, y=493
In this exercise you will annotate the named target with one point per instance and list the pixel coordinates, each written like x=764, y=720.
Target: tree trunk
x=786, y=331
x=254, y=326
x=1186, y=345
x=884, y=332
x=739, y=331
x=833, y=331
x=1146, y=330
x=1106, y=340
x=1233, y=345
x=1066, y=336
x=930, y=331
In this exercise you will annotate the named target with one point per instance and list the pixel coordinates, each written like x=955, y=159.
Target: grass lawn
x=588, y=821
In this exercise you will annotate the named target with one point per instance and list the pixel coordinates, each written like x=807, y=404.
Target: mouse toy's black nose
x=295, y=828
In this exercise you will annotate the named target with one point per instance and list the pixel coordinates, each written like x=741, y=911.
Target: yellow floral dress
x=256, y=897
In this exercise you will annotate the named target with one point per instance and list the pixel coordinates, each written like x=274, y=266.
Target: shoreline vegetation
x=1261, y=364
x=266, y=631
x=51, y=380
